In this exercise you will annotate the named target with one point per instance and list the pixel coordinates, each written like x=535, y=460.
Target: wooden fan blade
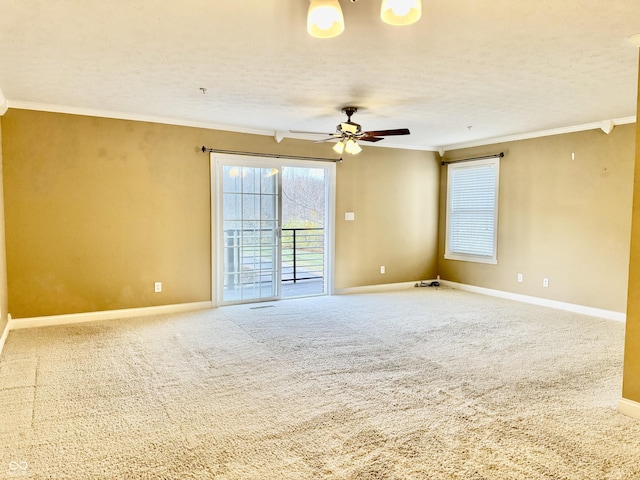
x=387, y=133
x=369, y=138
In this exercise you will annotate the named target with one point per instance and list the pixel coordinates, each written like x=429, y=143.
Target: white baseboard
x=384, y=287
x=544, y=302
x=54, y=320
x=629, y=408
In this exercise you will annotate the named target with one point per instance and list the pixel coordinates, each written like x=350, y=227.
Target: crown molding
x=419, y=148
x=4, y=105
x=634, y=39
x=606, y=126
x=92, y=112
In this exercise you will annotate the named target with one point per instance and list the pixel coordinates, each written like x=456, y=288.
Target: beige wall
x=395, y=201
x=567, y=220
x=3, y=264
x=631, y=375
x=98, y=209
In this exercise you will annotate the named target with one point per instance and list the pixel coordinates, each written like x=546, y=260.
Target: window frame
x=468, y=257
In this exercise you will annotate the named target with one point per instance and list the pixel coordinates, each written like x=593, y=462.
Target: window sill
x=471, y=258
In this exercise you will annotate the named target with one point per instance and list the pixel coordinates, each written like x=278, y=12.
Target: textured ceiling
x=501, y=67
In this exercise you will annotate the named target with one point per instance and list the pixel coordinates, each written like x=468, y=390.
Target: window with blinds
x=472, y=210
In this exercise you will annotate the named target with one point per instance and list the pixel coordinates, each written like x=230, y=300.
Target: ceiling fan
x=349, y=133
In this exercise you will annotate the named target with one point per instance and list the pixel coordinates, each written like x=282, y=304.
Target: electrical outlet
x=157, y=287
x=520, y=278
x=545, y=282
x=382, y=269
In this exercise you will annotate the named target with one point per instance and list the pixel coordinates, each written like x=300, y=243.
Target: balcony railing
x=249, y=255
x=302, y=254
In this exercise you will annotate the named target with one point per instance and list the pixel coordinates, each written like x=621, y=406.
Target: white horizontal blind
x=472, y=210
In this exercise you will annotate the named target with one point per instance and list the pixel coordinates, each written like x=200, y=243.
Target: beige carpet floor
x=414, y=384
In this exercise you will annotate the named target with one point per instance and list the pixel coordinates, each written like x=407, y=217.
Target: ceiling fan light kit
x=352, y=147
x=325, y=19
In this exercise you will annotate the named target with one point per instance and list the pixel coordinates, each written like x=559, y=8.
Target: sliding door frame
x=279, y=162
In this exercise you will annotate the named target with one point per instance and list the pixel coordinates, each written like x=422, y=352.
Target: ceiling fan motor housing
x=349, y=128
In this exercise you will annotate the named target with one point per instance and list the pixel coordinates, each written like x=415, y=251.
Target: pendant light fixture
x=401, y=12
x=324, y=19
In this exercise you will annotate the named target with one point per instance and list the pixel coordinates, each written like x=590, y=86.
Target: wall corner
x=4, y=295
x=631, y=367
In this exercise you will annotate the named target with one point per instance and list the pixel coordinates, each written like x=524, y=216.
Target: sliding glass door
x=272, y=228
x=250, y=227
